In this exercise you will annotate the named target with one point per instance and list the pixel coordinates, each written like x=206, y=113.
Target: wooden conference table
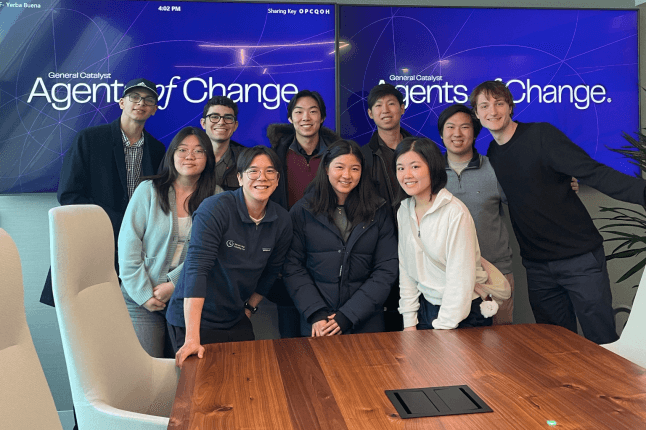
x=532, y=376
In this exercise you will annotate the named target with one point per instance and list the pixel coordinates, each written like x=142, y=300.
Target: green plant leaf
x=624, y=254
x=626, y=224
x=636, y=268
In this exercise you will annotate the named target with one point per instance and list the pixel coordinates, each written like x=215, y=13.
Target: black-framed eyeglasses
x=215, y=118
x=136, y=98
x=254, y=174
x=197, y=153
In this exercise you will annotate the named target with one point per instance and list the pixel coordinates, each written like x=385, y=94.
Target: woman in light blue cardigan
x=156, y=229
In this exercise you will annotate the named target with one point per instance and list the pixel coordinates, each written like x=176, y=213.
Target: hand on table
x=189, y=348
x=411, y=328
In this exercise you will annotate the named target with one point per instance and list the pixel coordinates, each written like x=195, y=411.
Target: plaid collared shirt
x=134, y=154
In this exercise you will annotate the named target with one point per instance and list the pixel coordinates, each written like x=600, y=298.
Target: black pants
x=428, y=312
x=243, y=330
x=289, y=319
x=560, y=291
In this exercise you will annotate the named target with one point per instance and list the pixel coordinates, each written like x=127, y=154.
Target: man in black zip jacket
x=386, y=107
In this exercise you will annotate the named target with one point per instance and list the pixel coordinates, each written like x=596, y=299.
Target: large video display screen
x=63, y=66
x=577, y=69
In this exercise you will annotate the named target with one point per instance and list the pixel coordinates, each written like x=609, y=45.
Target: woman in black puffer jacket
x=343, y=259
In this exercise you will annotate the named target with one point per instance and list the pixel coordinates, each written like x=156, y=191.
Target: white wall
x=25, y=218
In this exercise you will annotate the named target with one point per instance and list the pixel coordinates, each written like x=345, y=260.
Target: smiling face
x=344, y=173
x=458, y=135
x=188, y=162
x=219, y=132
x=386, y=112
x=306, y=117
x=494, y=113
x=261, y=188
x=137, y=112
x=414, y=175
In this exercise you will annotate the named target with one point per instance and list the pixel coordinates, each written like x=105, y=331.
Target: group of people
x=344, y=239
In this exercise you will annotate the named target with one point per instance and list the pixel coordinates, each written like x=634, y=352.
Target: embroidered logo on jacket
x=232, y=244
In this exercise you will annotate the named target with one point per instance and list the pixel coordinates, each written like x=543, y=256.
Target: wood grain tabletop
x=532, y=376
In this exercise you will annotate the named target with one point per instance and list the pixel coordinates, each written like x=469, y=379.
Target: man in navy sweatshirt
x=561, y=248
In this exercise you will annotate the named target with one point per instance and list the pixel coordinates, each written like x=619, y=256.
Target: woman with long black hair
x=343, y=259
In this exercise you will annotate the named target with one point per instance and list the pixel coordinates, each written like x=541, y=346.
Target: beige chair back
x=111, y=375
x=25, y=399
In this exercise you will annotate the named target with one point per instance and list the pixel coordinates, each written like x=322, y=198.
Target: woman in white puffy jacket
x=439, y=256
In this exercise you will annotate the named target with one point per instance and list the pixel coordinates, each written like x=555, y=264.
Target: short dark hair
x=307, y=93
x=167, y=172
x=248, y=154
x=362, y=202
x=495, y=89
x=458, y=108
x=220, y=101
x=382, y=90
x=430, y=153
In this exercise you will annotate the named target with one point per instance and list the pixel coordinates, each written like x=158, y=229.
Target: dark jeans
x=394, y=321
x=243, y=330
x=561, y=291
x=289, y=321
x=428, y=312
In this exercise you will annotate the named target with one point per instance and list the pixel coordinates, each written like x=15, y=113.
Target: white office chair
x=632, y=343
x=25, y=399
x=115, y=383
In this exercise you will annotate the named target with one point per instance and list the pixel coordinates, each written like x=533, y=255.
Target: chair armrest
x=100, y=416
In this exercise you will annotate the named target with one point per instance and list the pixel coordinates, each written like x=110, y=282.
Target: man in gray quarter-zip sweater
x=472, y=180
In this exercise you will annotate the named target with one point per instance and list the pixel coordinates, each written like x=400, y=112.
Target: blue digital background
x=468, y=46
x=243, y=43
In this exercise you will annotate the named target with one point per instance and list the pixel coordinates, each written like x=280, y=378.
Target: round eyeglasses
x=136, y=98
x=254, y=174
x=215, y=118
x=197, y=153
